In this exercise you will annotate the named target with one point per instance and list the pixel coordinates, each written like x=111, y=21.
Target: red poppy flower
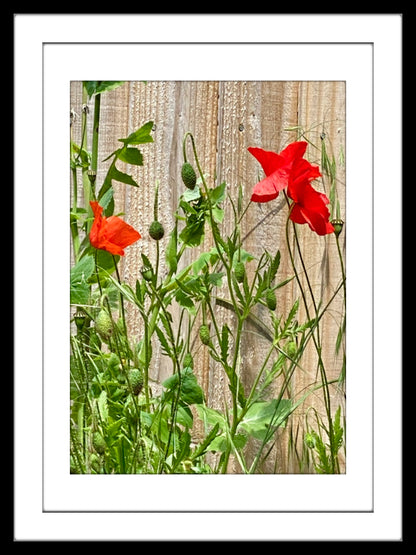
x=310, y=206
x=279, y=167
x=111, y=234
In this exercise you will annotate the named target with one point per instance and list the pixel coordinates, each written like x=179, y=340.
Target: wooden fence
x=226, y=118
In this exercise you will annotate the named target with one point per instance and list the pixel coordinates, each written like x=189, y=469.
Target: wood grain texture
x=225, y=119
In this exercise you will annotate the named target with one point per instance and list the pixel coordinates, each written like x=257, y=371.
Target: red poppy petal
x=297, y=216
x=97, y=225
x=120, y=233
x=264, y=190
x=317, y=221
x=294, y=150
x=113, y=249
x=96, y=208
x=270, y=161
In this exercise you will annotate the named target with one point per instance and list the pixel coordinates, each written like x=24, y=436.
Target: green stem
x=95, y=132
x=342, y=268
x=316, y=341
x=74, y=222
x=123, y=314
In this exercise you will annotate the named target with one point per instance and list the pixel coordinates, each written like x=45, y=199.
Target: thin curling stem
x=316, y=340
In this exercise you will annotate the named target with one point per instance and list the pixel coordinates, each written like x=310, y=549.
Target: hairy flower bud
x=136, y=380
x=156, y=230
x=239, y=272
x=188, y=175
x=271, y=299
x=204, y=334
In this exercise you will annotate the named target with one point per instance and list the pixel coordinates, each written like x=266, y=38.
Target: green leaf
x=103, y=407
x=220, y=443
x=141, y=136
x=106, y=199
x=83, y=269
x=211, y=417
x=79, y=275
x=79, y=157
x=215, y=279
x=274, y=266
x=192, y=194
x=164, y=342
x=117, y=175
x=204, y=260
x=105, y=86
x=97, y=87
x=203, y=447
x=242, y=256
x=190, y=391
x=185, y=301
x=217, y=195
x=193, y=233
x=131, y=156
x=184, y=417
x=225, y=332
x=264, y=416
x=218, y=214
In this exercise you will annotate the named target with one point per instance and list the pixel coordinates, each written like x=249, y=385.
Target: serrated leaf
x=131, y=155
x=185, y=301
x=203, y=447
x=274, y=266
x=292, y=315
x=102, y=406
x=215, y=279
x=141, y=136
x=165, y=345
x=225, y=332
x=117, y=175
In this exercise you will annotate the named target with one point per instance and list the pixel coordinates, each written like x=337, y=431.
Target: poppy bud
x=271, y=299
x=98, y=442
x=156, y=230
x=188, y=175
x=136, y=380
x=204, y=334
x=309, y=440
x=79, y=318
x=338, y=225
x=147, y=274
x=291, y=349
x=104, y=325
x=92, y=176
x=239, y=272
x=188, y=361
